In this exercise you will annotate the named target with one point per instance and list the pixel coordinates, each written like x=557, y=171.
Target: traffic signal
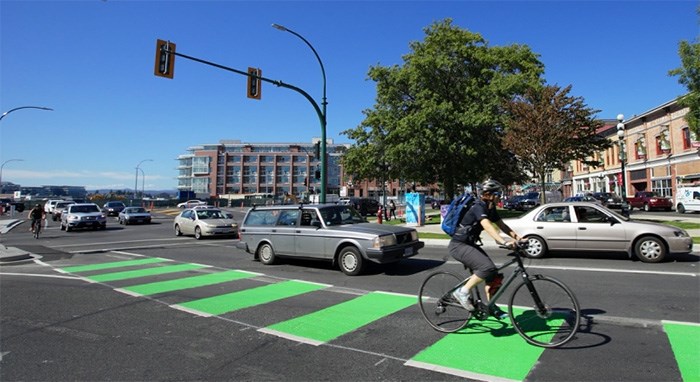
x=165, y=59
x=317, y=174
x=317, y=149
x=306, y=181
x=254, y=83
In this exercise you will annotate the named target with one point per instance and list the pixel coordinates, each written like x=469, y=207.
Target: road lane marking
x=685, y=343
x=332, y=322
x=124, y=275
x=185, y=283
x=230, y=302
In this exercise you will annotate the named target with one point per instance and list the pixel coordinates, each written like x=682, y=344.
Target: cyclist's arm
x=509, y=231
x=488, y=227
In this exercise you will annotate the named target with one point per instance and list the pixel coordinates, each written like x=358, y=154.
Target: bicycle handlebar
x=519, y=245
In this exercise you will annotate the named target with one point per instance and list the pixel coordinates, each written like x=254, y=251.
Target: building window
x=662, y=187
x=686, y=138
x=200, y=165
x=200, y=185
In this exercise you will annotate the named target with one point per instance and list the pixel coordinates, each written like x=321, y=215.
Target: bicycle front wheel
x=439, y=308
x=544, y=311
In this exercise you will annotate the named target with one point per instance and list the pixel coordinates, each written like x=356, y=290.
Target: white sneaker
x=464, y=299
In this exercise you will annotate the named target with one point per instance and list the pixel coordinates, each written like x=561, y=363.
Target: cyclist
x=465, y=245
x=37, y=214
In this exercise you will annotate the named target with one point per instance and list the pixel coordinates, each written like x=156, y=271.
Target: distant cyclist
x=37, y=214
x=465, y=245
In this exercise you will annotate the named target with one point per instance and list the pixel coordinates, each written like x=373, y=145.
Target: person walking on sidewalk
x=465, y=245
x=392, y=209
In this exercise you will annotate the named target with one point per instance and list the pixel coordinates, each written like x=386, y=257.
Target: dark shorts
x=473, y=257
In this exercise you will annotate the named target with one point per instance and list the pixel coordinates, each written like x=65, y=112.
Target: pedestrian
x=392, y=209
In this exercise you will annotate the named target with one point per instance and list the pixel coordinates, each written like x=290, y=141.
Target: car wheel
x=650, y=249
x=177, y=230
x=536, y=247
x=197, y=233
x=680, y=209
x=646, y=207
x=67, y=228
x=350, y=261
x=266, y=254
x=126, y=222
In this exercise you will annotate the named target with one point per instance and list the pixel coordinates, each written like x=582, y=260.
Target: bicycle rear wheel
x=439, y=308
x=551, y=324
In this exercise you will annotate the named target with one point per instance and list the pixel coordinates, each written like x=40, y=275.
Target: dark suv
x=113, y=208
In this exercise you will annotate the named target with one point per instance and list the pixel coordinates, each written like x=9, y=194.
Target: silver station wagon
x=331, y=232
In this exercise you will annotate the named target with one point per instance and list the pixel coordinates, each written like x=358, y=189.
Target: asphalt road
x=59, y=322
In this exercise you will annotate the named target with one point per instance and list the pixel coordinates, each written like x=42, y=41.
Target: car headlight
x=414, y=235
x=681, y=233
x=384, y=241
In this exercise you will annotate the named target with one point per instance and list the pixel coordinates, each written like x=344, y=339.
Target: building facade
x=660, y=152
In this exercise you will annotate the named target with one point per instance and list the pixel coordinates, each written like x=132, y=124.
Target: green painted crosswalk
x=685, y=343
x=332, y=322
x=478, y=350
x=187, y=282
x=111, y=265
x=124, y=275
x=250, y=297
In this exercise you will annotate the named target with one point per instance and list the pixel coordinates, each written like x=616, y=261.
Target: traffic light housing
x=254, y=83
x=317, y=150
x=165, y=59
x=317, y=174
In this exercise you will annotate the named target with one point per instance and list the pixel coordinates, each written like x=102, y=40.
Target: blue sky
x=92, y=62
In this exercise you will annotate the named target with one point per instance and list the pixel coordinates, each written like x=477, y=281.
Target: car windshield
x=84, y=209
x=210, y=214
x=341, y=214
x=135, y=210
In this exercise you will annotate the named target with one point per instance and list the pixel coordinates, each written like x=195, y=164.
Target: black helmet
x=491, y=186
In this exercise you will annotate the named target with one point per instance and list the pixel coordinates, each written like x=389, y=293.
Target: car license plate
x=408, y=251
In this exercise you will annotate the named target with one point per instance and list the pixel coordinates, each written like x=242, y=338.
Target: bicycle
x=36, y=228
x=542, y=309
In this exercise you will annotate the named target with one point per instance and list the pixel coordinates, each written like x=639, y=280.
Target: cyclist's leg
x=474, y=258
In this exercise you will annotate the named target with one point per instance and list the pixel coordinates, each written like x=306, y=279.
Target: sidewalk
x=11, y=253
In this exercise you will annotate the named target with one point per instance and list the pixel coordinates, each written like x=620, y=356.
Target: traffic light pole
x=321, y=114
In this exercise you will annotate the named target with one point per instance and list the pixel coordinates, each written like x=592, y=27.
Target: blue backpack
x=456, y=212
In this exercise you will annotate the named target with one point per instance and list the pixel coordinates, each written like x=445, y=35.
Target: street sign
x=254, y=83
x=165, y=59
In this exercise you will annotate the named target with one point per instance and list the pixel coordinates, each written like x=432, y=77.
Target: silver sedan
x=205, y=222
x=582, y=226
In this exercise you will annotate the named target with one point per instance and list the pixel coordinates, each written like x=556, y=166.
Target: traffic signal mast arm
x=274, y=82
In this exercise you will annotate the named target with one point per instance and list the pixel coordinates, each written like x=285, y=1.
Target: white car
x=50, y=205
x=205, y=222
x=83, y=215
x=191, y=203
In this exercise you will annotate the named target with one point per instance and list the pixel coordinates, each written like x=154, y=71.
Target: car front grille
x=403, y=238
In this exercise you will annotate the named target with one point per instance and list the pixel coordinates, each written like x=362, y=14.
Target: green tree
x=438, y=117
x=547, y=128
x=689, y=76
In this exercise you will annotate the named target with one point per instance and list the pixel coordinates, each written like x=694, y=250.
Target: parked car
x=582, y=226
x=532, y=199
x=688, y=199
x=83, y=215
x=205, y=222
x=113, y=208
x=513, y=202
x=59, y=208
x=365, y=206
x=131, y=215
x=335, y=233
x=608, y=199
x=191, y=203
x=648, y=201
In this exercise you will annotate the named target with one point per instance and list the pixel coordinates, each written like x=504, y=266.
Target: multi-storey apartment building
x=660, y=153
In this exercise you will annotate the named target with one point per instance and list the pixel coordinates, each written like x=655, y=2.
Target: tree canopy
x=439, y=116
x=689, y=75
x=548, y=128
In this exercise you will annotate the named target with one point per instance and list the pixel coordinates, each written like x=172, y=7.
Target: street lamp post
x=323, y=116
x=623, y=158
x=3, y=165
x=24, y=107
x=143, y=183
x=136, y=181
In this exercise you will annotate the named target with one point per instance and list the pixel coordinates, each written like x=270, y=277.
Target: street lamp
x=623, y=159
x=3, y=165
x=24, y=107
x=136, y=181
x=323, y=116
x=143, y=183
